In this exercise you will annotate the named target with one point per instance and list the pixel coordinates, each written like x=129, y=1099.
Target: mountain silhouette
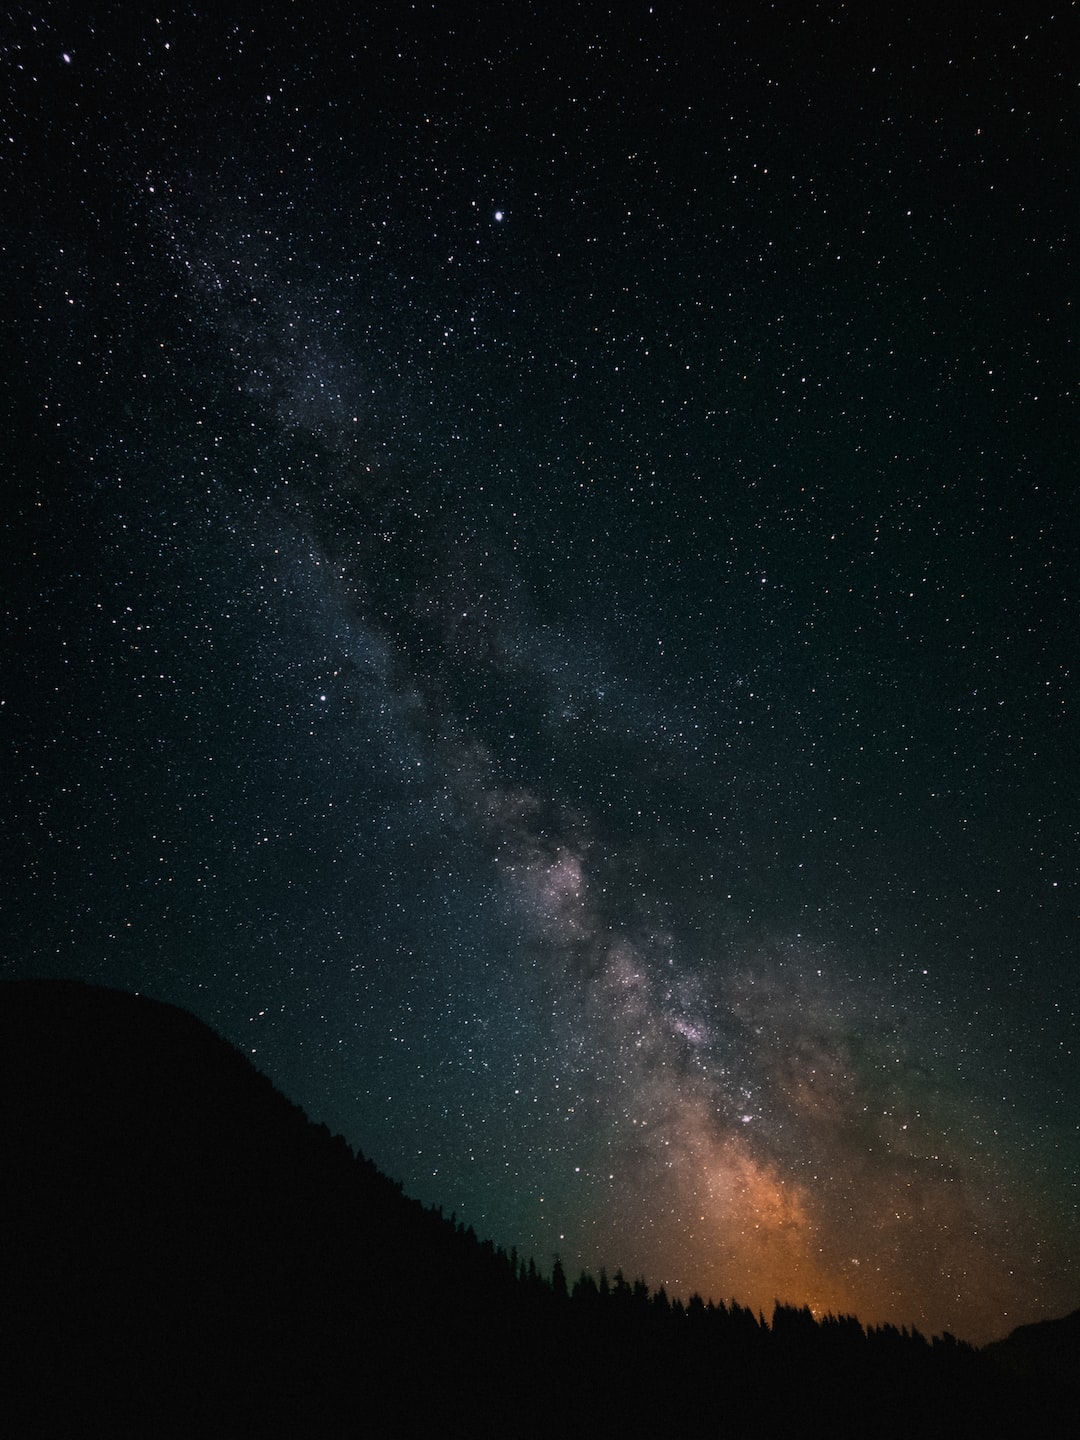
x=185, y=1254
x=1047, y=1350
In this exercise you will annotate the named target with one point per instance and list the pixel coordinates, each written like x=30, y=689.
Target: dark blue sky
x=541, y=603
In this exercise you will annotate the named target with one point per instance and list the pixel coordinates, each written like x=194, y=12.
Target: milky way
x=542, y=614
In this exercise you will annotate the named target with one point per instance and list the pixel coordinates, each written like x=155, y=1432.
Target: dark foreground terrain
x=185, y=1254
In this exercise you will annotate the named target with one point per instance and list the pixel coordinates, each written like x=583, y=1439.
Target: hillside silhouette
x=1047, y=1350
x=186, y=1254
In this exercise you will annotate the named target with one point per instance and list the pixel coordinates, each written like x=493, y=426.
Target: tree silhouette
x=558, y=1281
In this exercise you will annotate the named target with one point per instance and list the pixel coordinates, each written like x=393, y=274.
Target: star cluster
x=542, y=607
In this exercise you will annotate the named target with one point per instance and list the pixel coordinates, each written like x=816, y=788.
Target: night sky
x=540, y=600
